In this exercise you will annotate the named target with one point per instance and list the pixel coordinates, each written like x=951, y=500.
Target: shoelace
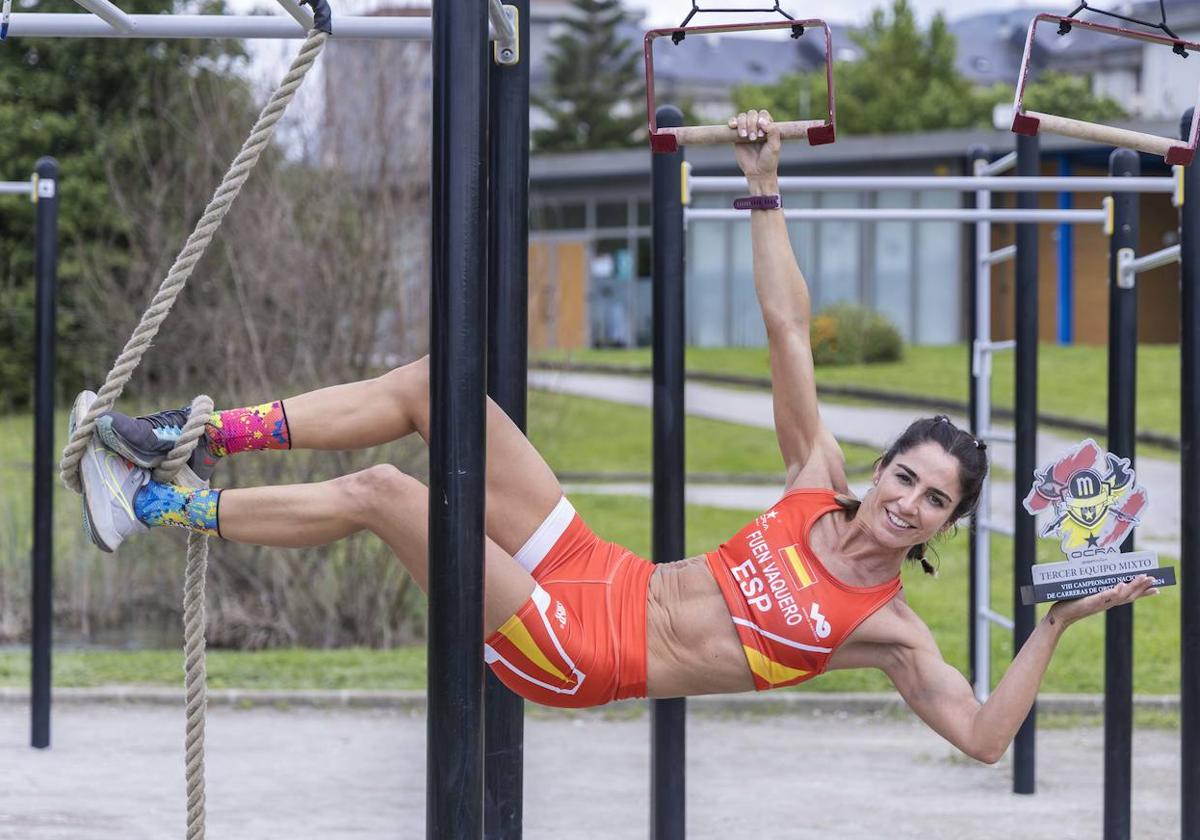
x=172, y=418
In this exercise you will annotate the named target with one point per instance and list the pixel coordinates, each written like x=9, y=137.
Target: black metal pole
x=1122, y=381
x=508, y=317
x=458, y=324
x=974, y=154
x=46, y=274
x=668, y=717
x=1189, y=463
x=1025, y=540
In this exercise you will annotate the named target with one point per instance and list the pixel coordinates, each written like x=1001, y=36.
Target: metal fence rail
x=965, y=184
x=905, y=214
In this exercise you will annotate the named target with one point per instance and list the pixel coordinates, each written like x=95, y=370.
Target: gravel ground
x=115, y=771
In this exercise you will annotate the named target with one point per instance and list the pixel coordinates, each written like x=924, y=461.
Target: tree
x=593, y=100
x=1054, y=92
x=906, y=81
x=92, y=104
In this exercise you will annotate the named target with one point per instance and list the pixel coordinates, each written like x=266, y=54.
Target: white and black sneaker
x=110, y=484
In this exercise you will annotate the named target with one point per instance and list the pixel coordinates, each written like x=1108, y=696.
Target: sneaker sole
x=78, y=411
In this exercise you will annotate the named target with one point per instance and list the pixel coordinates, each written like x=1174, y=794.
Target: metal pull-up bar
x=107, y=20
x=906, y=214
x=829, y=183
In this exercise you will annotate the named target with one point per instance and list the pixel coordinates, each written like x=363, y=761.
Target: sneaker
x=110, y=484
x=78, y=411
x=147, y=440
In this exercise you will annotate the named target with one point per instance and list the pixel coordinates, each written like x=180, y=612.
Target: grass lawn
x=577, y=434
x=1073, y=381
x=1078, y=665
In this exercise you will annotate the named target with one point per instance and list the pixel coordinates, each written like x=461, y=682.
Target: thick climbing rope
x=202, y=406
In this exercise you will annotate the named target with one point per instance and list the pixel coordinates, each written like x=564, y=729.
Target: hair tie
x=980, y=445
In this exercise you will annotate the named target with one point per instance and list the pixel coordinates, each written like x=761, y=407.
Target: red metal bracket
x=820, y=133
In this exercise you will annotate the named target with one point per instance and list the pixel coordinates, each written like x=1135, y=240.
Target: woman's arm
x=810, y=452
x=942, y=697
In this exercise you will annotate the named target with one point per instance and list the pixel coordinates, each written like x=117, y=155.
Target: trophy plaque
x=1093, y=502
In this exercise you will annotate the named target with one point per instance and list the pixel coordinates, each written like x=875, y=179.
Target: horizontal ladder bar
x=995, y=346
x=298, y=13
x=58, y=25
x=1166, y=256
x=110, y=14
x=999, y=435
x=956, y=183
x=16, y=187
x=999, y=166
x=1130, y=265
x=996, y=618
x=904, y=214
x=1000, y=255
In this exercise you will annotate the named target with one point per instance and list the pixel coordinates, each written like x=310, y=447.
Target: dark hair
x=970, y=453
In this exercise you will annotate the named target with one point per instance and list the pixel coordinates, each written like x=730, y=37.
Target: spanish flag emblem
x=795, y=559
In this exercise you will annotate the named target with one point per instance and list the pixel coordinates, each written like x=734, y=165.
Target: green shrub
x=849, y=334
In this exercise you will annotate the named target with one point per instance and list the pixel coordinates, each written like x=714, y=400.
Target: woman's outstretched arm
x=942, y=697
x=810, y=452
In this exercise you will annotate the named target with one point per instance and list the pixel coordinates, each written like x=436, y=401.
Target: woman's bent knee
x=408, y=382
x=369, y=490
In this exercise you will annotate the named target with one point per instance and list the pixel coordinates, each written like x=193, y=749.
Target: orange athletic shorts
x=580, y=640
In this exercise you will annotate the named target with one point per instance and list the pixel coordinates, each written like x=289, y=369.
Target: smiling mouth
x=897, y=522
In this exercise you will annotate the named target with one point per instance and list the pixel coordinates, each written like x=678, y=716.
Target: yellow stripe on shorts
x=769, y=669
x=517, y=633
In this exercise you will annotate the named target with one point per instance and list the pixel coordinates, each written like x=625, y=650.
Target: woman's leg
x=521, y=487
x=382, y=500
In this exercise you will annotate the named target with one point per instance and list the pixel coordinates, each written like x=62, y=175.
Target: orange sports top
x=790, y=612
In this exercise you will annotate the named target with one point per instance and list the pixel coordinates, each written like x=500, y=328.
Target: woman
x=571, y=620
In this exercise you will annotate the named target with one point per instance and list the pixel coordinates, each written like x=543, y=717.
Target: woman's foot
x=146, y=440
x=110, y=485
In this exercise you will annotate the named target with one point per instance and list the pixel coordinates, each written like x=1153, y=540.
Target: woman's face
x=914, y=496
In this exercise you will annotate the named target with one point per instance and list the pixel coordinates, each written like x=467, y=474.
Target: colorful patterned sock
x=249, y=429
x=182, y=507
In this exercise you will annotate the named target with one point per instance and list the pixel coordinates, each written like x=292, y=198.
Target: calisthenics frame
x=42, y=189
x=1120, y=218
x=474, y=231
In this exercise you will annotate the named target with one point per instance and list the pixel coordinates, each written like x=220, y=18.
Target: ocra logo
x=1094, y=496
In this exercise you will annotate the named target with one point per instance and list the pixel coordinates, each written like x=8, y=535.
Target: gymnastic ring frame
x=816, y=132
x=1030, y=123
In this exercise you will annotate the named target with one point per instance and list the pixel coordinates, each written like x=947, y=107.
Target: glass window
x=803, y=235
x=551, y=216
x=839, y=259
x=891, y=280
x=744, y=315
x=610, y=214
x=708, y=201
x=643, y=214
x=611, y=296
x=706, y=283
x=645, y=258
x=939, y=274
